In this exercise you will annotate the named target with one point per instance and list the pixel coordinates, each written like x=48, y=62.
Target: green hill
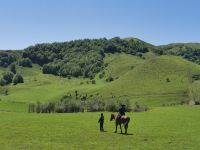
x=159, y=78
x=143, y=81
x=101, y=69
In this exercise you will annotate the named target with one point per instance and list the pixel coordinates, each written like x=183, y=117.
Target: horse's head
x=112, y=117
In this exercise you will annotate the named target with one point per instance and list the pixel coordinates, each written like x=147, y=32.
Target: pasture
x=175, y=127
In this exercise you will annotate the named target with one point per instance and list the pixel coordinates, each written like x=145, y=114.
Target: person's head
x=123, y=106
x=101, y=114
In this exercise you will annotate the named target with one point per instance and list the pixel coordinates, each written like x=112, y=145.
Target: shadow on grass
x=125, y=134
x=104, y=131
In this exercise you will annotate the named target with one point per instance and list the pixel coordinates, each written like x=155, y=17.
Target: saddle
x=121, y=117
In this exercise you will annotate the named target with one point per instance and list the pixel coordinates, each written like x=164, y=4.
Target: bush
x=7, y=58
x=112, y=105
x=110, y=79
x=25, y=62
x=93, y=82
x=96, y=105
x=31, y=107
x=38, y=107
x=67, y=105
x=101, y=76
x=8, y=77
x=59, y=108
x=194, y=92
x=13, y=68
x=3, y=82
x=140, y=108
x=167, y=80
x=18, y=78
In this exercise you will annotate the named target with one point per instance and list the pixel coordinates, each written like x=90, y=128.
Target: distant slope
x=189, y=51
x=157, y=78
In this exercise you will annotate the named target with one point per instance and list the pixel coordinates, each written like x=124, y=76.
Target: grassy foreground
x=160, y=128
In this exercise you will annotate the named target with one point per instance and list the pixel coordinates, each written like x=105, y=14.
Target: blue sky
x=27, y=22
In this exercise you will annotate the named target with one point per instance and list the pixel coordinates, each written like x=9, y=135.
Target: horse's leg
x=126, y=128
x=121, y=127
x=116, y=127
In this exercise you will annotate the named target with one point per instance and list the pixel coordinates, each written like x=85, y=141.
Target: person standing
x=101, y=122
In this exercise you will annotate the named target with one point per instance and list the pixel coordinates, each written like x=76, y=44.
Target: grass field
x=161, y=128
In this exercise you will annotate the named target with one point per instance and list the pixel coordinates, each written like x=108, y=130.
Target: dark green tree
x=18, y=78
x=13, y=68
x=8, y=77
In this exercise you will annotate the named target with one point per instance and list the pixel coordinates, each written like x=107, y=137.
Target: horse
x=120, y=120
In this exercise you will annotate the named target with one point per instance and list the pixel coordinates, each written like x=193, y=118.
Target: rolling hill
x=149, y=75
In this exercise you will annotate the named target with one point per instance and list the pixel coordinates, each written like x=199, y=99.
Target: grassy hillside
x=148, y=79
x=153, y=81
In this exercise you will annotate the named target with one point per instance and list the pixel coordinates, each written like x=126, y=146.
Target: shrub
x=112, y=105
x=38, y=107
x=7, y=58
x=194, y=92
x=101, y=76
x=93, y=82
x=69, y=77
x=13, y=68
x=18, y=78
x=5, y=91
x=25, y=62
x=67, y=105
x=167, y=80
x=96, y=105
x=3, y=82
x=110, y=79
x=59, y=108
x=8, y=77
x=31, y=107
x=140, y=108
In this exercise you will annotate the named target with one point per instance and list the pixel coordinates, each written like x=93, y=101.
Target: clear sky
x=27, y=22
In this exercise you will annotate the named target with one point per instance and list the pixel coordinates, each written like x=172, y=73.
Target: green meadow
x=160, y=128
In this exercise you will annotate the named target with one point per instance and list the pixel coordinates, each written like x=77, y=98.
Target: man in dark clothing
x=101, y=122
x=122, y=111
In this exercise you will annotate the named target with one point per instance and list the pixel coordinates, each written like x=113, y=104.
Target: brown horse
x=119, y=121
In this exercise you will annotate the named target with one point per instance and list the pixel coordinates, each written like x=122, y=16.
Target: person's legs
x=101, y=126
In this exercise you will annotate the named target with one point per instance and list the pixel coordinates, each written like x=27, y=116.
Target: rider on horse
x=122, y=111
